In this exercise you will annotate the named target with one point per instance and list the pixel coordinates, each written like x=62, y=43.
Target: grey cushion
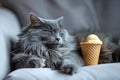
x=77, y=13
x=98, y=72
x=9, y=29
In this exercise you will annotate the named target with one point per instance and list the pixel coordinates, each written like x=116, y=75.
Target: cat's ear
x=60, y=21
x=34, y=18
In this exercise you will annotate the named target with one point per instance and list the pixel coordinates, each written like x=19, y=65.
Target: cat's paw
x=69, y=68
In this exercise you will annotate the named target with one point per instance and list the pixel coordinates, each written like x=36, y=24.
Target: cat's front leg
x=22, y=60
x=70, y=64
x=68, y=67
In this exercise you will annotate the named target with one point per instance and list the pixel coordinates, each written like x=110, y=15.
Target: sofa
x=80, y=14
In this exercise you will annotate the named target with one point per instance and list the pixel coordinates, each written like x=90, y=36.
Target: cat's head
x=44, y=31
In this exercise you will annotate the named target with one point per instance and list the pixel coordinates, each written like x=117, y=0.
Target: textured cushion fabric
x=9, y=28
x=97, y=72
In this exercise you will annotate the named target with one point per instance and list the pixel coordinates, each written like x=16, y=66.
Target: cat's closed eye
x=45, y=30
x=62, y=33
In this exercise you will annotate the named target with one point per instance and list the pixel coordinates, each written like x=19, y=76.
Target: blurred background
x=78, y=14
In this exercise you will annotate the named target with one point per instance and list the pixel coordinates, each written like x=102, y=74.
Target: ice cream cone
x=91, y=53
x=91, y=49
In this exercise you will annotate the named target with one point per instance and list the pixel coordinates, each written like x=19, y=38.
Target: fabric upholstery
x=9, y=28
x=98, y=72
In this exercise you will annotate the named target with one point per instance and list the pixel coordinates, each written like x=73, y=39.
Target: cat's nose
x=58, y=39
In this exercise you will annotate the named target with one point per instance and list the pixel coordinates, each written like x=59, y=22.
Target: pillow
x=97, y=72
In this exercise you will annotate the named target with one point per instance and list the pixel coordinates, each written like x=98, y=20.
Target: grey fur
x=48, y=39
x=45, y=43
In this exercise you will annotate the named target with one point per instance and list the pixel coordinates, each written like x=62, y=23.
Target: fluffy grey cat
x=45, y=43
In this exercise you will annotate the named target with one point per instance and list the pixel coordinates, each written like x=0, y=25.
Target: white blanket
x=97, y=72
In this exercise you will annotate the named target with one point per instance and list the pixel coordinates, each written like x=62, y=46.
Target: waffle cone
x=90, y=53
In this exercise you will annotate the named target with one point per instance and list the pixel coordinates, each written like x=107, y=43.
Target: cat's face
x=47, y=32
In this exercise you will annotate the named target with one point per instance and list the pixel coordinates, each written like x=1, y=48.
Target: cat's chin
x=52, y=46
